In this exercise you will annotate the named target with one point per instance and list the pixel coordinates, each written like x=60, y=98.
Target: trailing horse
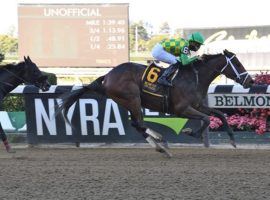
x=123, y=84
x=12, y=75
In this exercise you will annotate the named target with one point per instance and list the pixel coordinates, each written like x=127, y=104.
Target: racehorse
x=12, y=75
x=123, y=84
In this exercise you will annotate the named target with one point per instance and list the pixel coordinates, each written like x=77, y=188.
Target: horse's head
x=234, y=70
x=33, y=75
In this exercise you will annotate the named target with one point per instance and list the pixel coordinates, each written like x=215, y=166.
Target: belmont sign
x=239, y=100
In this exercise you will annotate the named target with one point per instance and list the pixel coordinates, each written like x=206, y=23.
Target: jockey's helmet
x=195, y=41
x=196, y=37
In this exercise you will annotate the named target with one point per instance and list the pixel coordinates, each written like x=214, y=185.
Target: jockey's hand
x=194, y=59
x=198, y=57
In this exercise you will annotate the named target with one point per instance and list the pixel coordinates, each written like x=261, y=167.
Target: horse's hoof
x=10, y=150
x=165, y=144
x=232, y=142
x=187, y=131
x=196, y=135
x=162, y=149
x=165, y=152
x=158, y=146
x=206, y=144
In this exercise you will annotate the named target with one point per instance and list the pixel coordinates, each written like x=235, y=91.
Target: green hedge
x=13, y=103
x=51, y=78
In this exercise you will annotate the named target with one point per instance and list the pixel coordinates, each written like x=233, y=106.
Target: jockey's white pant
x=160, y=54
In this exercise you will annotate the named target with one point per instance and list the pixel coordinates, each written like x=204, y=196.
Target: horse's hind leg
x=5, y=140
x=152, y=137
x=139, y=125
x=133, y=105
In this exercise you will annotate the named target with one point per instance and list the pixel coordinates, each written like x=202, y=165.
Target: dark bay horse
x=12, y=75
x=123, y=84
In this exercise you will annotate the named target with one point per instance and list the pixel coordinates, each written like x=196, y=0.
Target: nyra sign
x=239, y=100
x=89, y=116
x=94, y=119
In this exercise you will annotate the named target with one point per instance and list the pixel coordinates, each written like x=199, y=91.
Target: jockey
x=169, y=49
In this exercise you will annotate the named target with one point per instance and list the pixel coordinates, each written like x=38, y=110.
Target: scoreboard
x=74, y=35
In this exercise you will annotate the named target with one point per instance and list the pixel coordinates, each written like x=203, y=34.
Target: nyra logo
x=176, y=124
x=85, y=115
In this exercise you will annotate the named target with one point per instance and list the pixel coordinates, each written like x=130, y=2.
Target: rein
x=9, y=84
x=15, y=75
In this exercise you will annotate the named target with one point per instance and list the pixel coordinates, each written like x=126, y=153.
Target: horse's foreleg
x=220, y=115
x=192, y=113
x=5, y=140
x=133, y=105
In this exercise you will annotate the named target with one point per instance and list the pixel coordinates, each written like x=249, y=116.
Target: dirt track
x=135, y=174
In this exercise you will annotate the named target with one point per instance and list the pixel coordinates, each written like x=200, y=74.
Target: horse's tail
x=70, y=98
x=96, y=86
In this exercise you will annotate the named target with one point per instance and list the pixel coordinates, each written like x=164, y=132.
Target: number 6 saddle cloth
x=149, y=81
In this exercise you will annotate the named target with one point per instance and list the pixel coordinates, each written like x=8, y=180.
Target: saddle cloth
x=149, y=81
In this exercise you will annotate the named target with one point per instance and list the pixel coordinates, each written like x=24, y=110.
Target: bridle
x=238, y=75
x=16, y=76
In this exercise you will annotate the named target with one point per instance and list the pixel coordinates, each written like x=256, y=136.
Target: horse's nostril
x=251, y=83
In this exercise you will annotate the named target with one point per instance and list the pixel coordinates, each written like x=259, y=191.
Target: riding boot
x=166, y=74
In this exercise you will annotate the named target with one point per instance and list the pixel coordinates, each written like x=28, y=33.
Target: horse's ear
x=28, y=58
x=225, y=51
x=25, y=59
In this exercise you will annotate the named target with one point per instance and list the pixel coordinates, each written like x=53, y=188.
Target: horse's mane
x=10, y=65
x=206, y=57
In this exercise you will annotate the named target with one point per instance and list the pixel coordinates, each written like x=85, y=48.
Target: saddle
x=149, y=80
x=150, y=85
